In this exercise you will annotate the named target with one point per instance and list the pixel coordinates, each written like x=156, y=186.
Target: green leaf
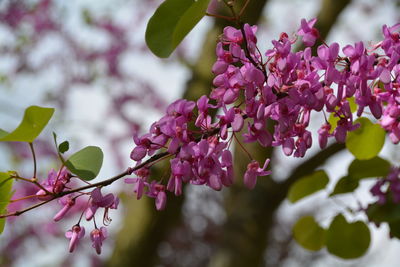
x=35, y=119
x=361, y=169
x=309, y=234
x=3, y=133
x=388, y=212
x=86, y=163
x=63, y=147
x=171, y=22
x=395, y=229
x=346, y=184
x=375, y=167
x=308, y=185
x=5, y=195
x=347, y=240
x=367, y=141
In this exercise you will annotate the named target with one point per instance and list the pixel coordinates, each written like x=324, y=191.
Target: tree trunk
x=250, y=214
x=144, y=227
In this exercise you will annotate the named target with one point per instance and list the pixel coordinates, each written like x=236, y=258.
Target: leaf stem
x=34, y=159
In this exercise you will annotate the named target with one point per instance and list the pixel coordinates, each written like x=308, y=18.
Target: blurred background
x=88, y=59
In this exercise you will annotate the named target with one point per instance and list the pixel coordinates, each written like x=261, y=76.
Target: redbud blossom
x=309, y=33
x=97, y=201
x=254, y=170
x=98, y=236
x=68, y=202
x=161, y=200
x=74, y=235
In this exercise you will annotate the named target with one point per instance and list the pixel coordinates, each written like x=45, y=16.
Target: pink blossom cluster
x=58, y=182
x=389, y=63
x=390, y=183
x=96, y=201
x=277, y=90
x=200, y=161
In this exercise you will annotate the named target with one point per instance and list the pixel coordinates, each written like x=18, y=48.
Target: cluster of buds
x=96, y=201
x=55, y=184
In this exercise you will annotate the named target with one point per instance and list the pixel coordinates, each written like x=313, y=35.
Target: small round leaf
x=346, y=184
x=375, y=167
x=63, y=147
x=86, y=163
x=308, y=185
x=34, y=120
x=309, y=234
x=387, y=212
x=347, y=240
x=367, y=141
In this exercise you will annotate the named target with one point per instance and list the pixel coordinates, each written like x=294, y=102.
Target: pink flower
x=161, y=200
x=254, y=170
x=98, y=200
x=227, y=177
x=68, y=202
x=74, y=235
x=55, y=183
x=323, y=134
x=232, y=34
x=230, y=119
x=309, y=33
x=98, y=236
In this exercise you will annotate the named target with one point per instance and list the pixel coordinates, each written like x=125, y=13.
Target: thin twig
x=243, y=148
x=32, y=181
x=220, y=16
x=109, y=181
x=19, y=212
x=243, y=8
x=260, y=65
x=34, y=159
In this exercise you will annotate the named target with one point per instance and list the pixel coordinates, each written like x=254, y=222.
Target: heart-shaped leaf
x=308, y=185
x=345, y=184
x=309, y=234
x=171, y=22
x=375, y=167
x=367, y=141
x=361, y=169
x=388, y=212
x=5, y=195
x=33, y=122
x=347, y=240
x=86, y=163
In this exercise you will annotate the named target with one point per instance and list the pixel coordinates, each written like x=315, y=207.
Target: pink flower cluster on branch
x=269, y=97
x=280, y=88
x=58, y=185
